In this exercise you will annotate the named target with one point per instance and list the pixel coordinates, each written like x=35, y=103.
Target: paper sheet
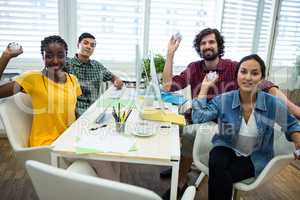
x=109, y=102
x=115, y=93
x=104, y=140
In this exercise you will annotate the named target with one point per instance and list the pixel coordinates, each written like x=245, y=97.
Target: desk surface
x=162, y=147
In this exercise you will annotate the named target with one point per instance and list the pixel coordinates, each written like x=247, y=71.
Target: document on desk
x=104, y=140
x=116, y=93
x=109, y=102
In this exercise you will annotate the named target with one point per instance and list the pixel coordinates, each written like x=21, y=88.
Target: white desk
x=159, y=149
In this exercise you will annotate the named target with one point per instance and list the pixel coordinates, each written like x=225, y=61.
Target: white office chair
x=79, y=182
x=282, y=157
x=16, y=116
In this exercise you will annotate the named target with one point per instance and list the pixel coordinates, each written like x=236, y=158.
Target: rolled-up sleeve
x=266, y=85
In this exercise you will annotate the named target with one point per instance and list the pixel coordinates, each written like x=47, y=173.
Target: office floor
x=16, y=185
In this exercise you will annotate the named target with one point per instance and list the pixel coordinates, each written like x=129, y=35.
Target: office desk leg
x=54, y=160
x=174, y=180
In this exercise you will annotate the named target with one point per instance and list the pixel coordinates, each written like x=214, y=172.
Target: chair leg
x=236, y=194
x=199, y=179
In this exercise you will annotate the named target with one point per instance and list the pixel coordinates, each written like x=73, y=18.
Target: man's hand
x=118, y=83
x=173, y=44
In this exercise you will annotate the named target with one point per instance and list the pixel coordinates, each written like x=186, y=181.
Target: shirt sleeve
x=107, y=75
x=181, y=81
x=266, y=85
x=26, y=82
x=204, y=110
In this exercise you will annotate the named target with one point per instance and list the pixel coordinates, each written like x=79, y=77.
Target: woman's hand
x=206, y=84
x=10, y=52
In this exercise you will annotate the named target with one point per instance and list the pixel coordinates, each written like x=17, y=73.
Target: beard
x=209, y=54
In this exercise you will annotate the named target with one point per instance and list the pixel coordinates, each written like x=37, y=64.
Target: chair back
x=281, y=145
x=54, y=183
x=203, y=144
x=16, y=116
x=283, y=154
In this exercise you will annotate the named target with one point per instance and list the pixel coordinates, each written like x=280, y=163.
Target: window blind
x=287, y=46
x=245, y=27
x=117, y=26
x=187, y=17
x=27, y=22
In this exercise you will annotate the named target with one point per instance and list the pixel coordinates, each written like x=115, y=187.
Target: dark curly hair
x=52, y=39
x=257, y=59
x=205, y=32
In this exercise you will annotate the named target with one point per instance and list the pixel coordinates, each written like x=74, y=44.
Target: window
x=287, y=45
x=27, y=22
x=119, y=25
x=245, y=27
x=188, y=18
x=115, y=24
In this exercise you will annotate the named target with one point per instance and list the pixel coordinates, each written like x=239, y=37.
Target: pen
x=123, y=116
x=114, y=114
x=119, y=115
x=128, y=114
x=95, y=128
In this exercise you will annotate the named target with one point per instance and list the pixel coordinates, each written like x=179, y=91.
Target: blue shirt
x=226, y=109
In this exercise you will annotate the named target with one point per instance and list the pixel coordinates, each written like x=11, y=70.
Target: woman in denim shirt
x=246, y=117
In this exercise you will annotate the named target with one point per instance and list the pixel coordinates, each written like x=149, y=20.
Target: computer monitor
x=153, y=88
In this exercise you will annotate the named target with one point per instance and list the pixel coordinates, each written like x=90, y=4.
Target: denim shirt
x=226, y=109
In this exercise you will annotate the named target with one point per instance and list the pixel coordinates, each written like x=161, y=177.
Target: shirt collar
x=79, y=62
x=260, y=100
x=220, y=66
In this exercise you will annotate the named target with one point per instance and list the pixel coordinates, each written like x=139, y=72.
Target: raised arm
x=202, y=111
x=12, y=87
x=168, y=68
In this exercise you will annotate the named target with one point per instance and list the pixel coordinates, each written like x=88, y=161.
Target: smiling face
x=86, y=47
x=249, y=75
x=209, y=47
x=54, y=57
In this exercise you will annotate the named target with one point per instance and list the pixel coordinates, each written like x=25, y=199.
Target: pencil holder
x=120, y=127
